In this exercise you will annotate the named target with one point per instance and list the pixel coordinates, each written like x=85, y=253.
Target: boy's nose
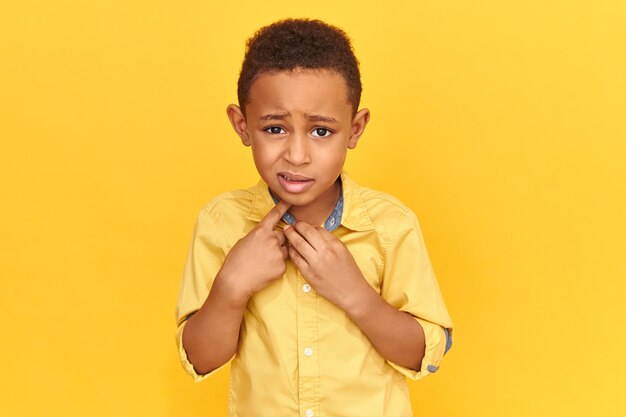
x=297, y=150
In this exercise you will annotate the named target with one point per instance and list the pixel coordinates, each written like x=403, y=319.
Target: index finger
x=273, y=216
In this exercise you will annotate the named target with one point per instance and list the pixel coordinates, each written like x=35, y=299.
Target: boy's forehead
x=306, y=90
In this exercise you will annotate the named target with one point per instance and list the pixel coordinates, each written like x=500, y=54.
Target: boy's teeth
x=290, y=179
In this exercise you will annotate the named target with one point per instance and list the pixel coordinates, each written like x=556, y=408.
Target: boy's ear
x=238, y=122
x=359, y=121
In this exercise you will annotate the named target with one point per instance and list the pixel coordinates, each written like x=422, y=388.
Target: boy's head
x=299, y=92
x=292, y=44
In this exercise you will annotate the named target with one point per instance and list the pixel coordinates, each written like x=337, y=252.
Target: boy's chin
x=299, y=199
x=293, y=200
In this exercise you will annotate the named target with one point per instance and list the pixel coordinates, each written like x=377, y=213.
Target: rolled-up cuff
x=184, y=360
x=438, y=341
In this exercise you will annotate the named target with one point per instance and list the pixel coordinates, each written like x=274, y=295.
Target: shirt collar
x=349, y=210
x=332, y=222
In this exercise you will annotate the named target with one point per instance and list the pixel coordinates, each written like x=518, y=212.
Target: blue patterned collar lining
x=332, y=222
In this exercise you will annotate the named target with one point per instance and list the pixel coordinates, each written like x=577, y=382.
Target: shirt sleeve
x=184, y=360
x=205, y=258
x=409, y=284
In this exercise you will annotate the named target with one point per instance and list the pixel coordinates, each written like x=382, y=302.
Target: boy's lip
x=294, y=183
x=290, y=176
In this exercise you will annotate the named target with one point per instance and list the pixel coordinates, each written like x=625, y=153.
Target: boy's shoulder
x=373, y=198
x=238, y=200
x=386, y=212
x=233, y=208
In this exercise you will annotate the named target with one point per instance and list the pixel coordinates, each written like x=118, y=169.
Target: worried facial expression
x=300, y=125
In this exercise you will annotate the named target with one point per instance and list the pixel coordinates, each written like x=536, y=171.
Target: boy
x=318, y=321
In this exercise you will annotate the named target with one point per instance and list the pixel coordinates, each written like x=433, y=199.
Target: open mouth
x=294, y=183
x=294, y=178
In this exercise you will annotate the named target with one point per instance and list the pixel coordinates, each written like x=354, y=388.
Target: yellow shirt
x=299, y=354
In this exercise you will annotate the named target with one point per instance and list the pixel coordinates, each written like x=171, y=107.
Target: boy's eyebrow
x=310, y=117
x=320, y=118
x=274, y=116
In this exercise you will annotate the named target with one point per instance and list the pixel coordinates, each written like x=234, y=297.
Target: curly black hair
x=299, y=43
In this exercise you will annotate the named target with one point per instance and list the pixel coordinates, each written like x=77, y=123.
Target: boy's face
x=300, y=126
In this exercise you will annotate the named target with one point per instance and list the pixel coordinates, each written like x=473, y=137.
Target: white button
x=306, y=288
x=308, y=352
x=309, y=412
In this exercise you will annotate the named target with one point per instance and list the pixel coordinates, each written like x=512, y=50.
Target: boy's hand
x=326, y=264
x=256, y=259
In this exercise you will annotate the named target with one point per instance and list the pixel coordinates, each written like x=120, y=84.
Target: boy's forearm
x=211, y=335
x=396, y=335
x=331, y=270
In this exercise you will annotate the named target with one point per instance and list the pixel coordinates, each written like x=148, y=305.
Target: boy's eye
x=321, y=132
x=275, y=130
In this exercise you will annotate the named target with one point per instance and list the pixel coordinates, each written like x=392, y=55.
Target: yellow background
x=502, y=124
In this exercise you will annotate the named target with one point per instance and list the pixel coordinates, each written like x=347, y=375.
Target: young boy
x=319, y=290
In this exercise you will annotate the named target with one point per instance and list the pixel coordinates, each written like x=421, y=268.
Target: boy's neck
x=318, y=211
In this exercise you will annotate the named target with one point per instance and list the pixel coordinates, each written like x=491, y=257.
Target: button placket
x=308, y=365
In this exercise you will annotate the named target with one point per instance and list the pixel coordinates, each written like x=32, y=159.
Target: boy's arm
x=330, y=269
x=211, y=335
x=390, y=319
x=396, y=335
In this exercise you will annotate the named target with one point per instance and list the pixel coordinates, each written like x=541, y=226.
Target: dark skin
x=298, y=122
x=330, y=269
x=211, y=335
